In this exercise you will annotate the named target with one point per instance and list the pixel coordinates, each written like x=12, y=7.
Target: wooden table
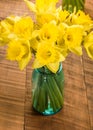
x=16, y=112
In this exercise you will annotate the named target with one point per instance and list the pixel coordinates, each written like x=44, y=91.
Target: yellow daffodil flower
x=45, y=18
x=47, y=54
x=63, y=15
x=82, y=19
x=19, y=51
x=45, y=10
x=16, y=50
x=23, y=28
x=88, y=44
x=13, y=19
x=62, y=47
x=73, y=38
x=42, y=6
x=5, y=29
x=49, y=32
x=61, y=30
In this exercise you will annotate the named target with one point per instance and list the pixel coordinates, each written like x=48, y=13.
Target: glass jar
x=48, y=90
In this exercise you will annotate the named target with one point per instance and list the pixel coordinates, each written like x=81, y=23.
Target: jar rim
x=46, y=71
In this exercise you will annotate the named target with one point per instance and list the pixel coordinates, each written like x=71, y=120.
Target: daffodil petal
x=24, y=61
x=76, y=50
x=31, y=5
x=90, y=51
x=37, y=64
x=53, y=67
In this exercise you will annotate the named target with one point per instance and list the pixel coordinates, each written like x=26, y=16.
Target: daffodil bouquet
x=49, y=38
x=53, y=35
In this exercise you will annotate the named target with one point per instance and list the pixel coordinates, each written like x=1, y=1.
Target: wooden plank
x=88, y=71
x=13, y=7
x=12, y=80
x=89, y=7
x=12, y=94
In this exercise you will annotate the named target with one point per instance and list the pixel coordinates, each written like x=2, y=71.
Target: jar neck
x=46, y=71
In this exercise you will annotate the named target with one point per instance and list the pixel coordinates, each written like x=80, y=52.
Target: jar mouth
x=44, y=70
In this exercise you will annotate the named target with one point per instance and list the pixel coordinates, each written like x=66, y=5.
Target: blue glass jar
x=48, y=90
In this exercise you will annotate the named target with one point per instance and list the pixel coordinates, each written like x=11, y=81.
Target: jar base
x=49, y=111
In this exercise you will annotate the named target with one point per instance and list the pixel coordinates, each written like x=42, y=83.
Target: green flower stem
x=56, y=90
x=82, y=2
x=41, y=98
x=78, y=5
x=36, y=80
x=46, y=98
x=54, y=96
x=51, y=97
x=71, y=4
x=35, y=98
x=59, y=78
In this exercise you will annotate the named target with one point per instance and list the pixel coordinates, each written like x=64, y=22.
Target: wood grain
x=88, y=77
x=16, y=111
x=12, y=94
